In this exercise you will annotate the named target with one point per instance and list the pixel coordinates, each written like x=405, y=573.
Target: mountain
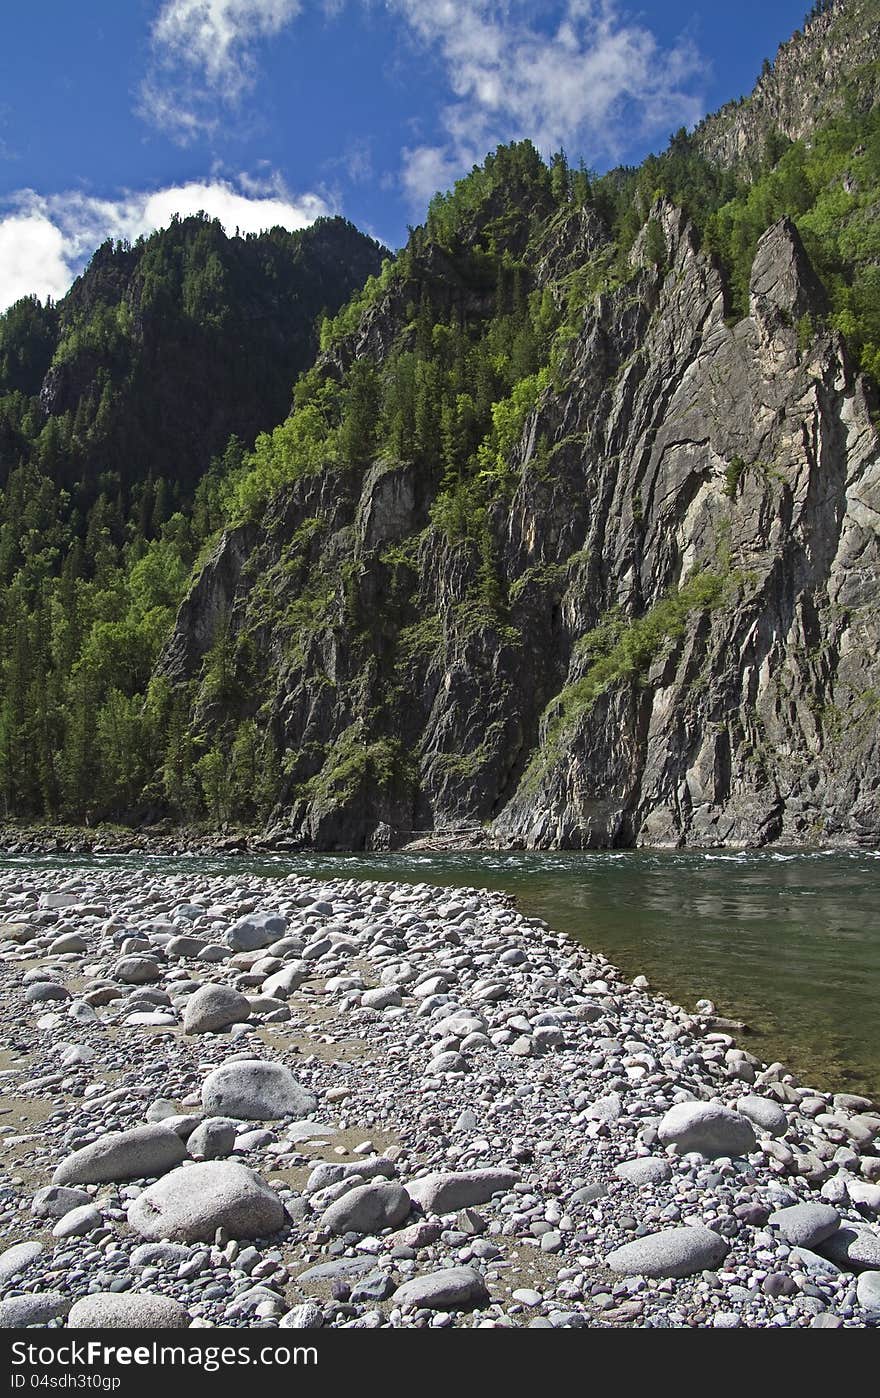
x=163, y=350
x=828, y=69
x=570, y=536
x=163, y=358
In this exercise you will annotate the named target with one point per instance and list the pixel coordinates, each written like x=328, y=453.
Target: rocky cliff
x=830, y=67
x=667, y=631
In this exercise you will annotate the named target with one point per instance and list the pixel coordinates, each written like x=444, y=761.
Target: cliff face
x=679, y=641
x=824, y=70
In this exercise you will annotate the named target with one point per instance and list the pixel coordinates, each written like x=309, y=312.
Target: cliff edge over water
x=687, y=553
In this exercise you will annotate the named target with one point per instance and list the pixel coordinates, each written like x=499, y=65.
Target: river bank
x=780, y=940
x=470, y=1120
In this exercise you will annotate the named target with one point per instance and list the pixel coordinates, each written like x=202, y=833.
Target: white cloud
x=204, y=52
x=579, y=72
x=45, y=239
x=427, y=169
x=32, y=259
x=595, y=78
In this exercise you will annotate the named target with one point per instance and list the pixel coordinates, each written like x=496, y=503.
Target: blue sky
x=114, y=114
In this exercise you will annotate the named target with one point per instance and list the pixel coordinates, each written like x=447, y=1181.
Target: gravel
x=436, y=1112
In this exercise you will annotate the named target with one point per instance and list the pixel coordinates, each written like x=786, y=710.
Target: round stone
x=255, y=1090
x=190, y=1204
x=707, y=1128
x=127, y=1310
x=214, y=1007
x=676, y=1252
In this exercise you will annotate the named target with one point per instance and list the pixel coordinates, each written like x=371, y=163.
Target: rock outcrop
x=802, y=87
x=680, y=641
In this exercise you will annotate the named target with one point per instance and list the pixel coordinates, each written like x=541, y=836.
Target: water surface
x=787, y=941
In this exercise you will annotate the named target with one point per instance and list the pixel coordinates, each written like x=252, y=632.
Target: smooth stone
x=382, y=998
x=255, y=931
x=68, y=943
x=648, y=1169
x=868, y=1292
x=184, y=946
x=127, y=1310
x=16, y=1258
x=368, y=1208
x=308, y=1316
x=36, y=1308
x=764, y=1113
x=255, y=1090
x=309, y=1131
x=854, y=1246
x=191, y=1203
x=805, y=1225
x=526, y=1297
x=340, y=1267
x=42, y=991
x=448, y=1062
x=707, y=1128
x=451, y=1289
x=213, y=1139
x=137, y=970
x=214, y=1007
x=141, y=1153
x=676, y=1252
x=55, y=1200
x=284, y=982
x=78, y=1222
x=376, y=1286
x=447, y=1193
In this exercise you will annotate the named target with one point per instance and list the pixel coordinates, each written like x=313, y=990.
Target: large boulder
x=253, y=1090
x=452, y=1289
x=446, y=1193
x=127, y=1310
x=676, y=1252
x=141, y=1153
x=804, y=1225
x=214, y=1007
x=255, y=931
x=190, y=1204
x=853, y=1246
x=707, y=1128
x=368, y=1208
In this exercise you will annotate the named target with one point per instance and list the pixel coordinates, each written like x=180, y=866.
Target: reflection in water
x=789, y=942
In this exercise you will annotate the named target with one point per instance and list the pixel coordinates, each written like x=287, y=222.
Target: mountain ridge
x=570, y=534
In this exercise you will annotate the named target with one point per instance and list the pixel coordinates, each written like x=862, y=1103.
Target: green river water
x=787, y=941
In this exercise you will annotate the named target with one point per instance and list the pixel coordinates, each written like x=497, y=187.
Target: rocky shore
x=28, y=840
x=230, y=1101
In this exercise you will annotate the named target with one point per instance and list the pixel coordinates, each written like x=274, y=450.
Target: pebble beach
x=239, y=1102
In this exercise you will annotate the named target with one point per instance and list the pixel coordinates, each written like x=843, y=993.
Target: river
x=787, y=941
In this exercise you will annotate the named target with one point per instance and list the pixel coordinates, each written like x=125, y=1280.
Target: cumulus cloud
x=45, y=239
x=585, y=73
x=204, y=53
x=588, y=74
x=32, y=259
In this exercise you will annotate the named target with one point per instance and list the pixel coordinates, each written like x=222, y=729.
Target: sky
x=115, y=114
